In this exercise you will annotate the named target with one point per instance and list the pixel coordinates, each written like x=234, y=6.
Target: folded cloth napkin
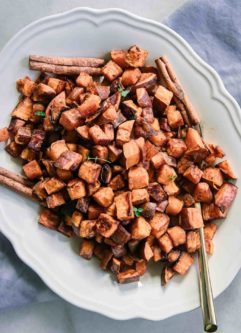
x=213, y=29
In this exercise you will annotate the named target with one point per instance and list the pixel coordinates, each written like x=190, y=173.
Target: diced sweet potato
x=56, y=149
x=87, y=249
x=56, y=84
x=213, y=176
x=188, y=200
x=195, y=146
x=102, y=91
x=167, y=274
x=83, y=204
x=130, y=275
x=89, y=106
x=39, y=189
x=225, y=196
x=121, y=236
x=76, y=189
x=143, y=99
x=202, y=193
x=140, y=228
x=32, y=170
x=210, y=230
x=94, y=211
x=84, y=80
x=193, y=241
x=166, y=174
x=177, y=235
x=209, y=245
x=130, y=77
x=131, y=153
x=56, y=106
x=157, y=253
x=108, y=116
x=106, y=225
x=165, y=243
x=37, y=140
x=119, y=57
x=141, y=266
x=111, y=70
x=124, y=208
x=173, y=256
x=76, y=219
x=70, y=119
x=147, y=81
x=89, y=172
x=171, y=188
x=147, y=114
x=107, y=256
x=191, y=218
x=53, y=185
x=156, y=192
x=117, y=183
x=158, y=138
x=104, y=196
x=174, y=117
x=150, y=150
x=138, y=178
x=49, y=219
x=136, y=56
x=176, y=147
x=26, y=86
x=118, y=251
x=23, y=135
x=42, y=93
x=92, y=188
x=87, y=229
x=55, y=200
x=174, y=206
x=226, y=169
x=146, y=251
x=23, y=110
x=4, y=134
x=15, y=124
x=183, y=264
x=139, y=196
x=162, y=158
x=159, y=224
x=211, y=212
x=183, y=164
x=98, y=136
x=162, y=98
x=68, y=160
x=130, y=110
x=65, y=229
x=123, y=134
x=65, y=175
x=116, y=265
x=13, y=149
x=214, y=153
x=193, y=173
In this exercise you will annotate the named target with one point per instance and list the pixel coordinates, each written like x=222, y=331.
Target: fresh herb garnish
x=172, y=178
x=97, y=159
x=123, y=92
x=39, y=113
x=137, y=211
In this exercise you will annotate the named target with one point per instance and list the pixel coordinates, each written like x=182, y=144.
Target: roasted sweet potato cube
x=49, y=219
x=202, y=193
x=56, y=84
x=183, y=164
x=162, y=98
x=70, y=119
x=158, y=138
x=39, y=189
x=146, y=251
x=124, y=130
x=89, y=106
x=177, y=235
x=68, y=160
x=83, y=131
x=209, y=245
x=4, y=134
x=143, y=98
x=213, y=177
x=124, y=208
x=139, y=196
x=108, y=116
x=98, y=136
x=159, y=224
x=157, y=253
x=87, y=229
x=53, y=185
x=23, y=135
x=137, y=178
x=176, y=147
x=87, y=249
x=156, y=192
x=147, y=81
x=65, y=175
x=225, y=196
x=130, y=275
x=26, y=86
x=106, y=225
x=141, y=266
x=37, y=140
x=23, y=110
x=121, y=236
x=43, y=92
x=119, y=251
x=106, y=258
x=89, y=172
x=84, y=80
x=104, y=196
x=32, y=170
x=193, y=173
x=167, y=275
x=116, y=265
x=76, y=189
x=102, y=91
x=55, y=200
x=193, y=241
x=83, y=151
x=130, y=110
x=14, y=149
x=183, y=264
x=188, y=200
x=76, y=219
x=211, y=212
x=101, y=153
x=56, y=149
x=111, y=70
x=136, y=56
x=83, y=204
x=195, y=146
x=191, y=218
x=117, y=183
x=94, y=211
x=119, y=57
x=130, y=76
x=165, y=243
x=166, y=174
x=171, y=188
x=161, y=158
x=173, y=256
x=174, y=117
x=140, y=228
x=226, y=169
x=74, y=95
x=15, y=124
x=65, y=229
x=210, y=230
x=131, y=153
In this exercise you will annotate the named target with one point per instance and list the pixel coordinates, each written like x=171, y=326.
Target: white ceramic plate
x=88, y=32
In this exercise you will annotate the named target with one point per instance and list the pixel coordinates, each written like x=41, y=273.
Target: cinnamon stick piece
x=63, y=70
x=18, y=178
x=79, y=62
x=17, y=187
x=171, y=81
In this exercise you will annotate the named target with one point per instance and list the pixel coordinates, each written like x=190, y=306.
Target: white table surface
x=59, y=316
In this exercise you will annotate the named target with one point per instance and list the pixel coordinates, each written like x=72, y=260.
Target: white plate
x=89, y=32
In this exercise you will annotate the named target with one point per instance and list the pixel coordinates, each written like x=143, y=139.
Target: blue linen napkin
x=213, y=29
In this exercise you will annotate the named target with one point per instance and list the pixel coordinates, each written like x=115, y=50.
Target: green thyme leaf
x=39, y=113
x=137, y=211
x=124, y=92
x=97, y=159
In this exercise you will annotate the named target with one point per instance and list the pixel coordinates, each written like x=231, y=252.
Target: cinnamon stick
x=79, y=62
x=63, y=70
x=16, y=186
x=18, y=178
x=171, y=81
